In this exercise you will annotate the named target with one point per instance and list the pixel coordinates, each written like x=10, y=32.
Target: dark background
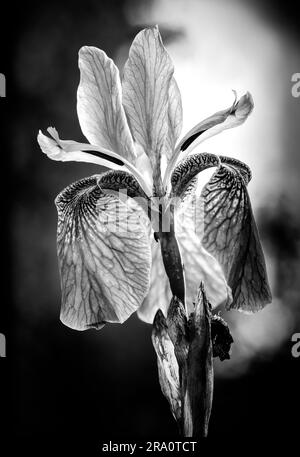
x=71, y=390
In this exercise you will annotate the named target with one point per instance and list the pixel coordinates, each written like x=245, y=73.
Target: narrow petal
x=222, y=120
x=99, y=103
x=174, y=118
x=104, y=256
x=159, y=294
x=146, y=83
x=231, y=236
x=68, y=150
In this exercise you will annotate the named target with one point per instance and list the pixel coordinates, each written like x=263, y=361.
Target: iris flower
x=133, y=124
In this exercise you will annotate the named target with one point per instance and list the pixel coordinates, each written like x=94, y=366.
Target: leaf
x=146, y=83
x=99, y=103
x=168, y=370
x=199, y=390
x=231, y=236
x=221, y=337
x=177, y=329
x=104, y=256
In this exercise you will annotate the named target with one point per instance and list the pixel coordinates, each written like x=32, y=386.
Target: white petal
x=99, y=103
x=104, y=256
x=68, y=150
x=231, y=236
x=159, y=295
x=174, y=118
x=199, y=265
x=146, y=82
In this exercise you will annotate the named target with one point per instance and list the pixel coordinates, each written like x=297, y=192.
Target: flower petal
x=199, y=266
x=99, y=103
x=231, y=236
x=222, y=120
x=104, y=256
x=174, y=118
x=146, y=83
x=159, y=294
x=68, y=150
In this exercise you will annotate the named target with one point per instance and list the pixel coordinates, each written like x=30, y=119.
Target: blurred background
x=79, y=388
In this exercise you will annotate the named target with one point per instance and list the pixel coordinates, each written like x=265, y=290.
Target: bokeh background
x=77, y=389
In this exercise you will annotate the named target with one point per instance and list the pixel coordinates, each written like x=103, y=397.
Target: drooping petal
x=184, y=173
x=222, y=120
x=174, y=118
x=99, y=104
x=231, y=236
x=236, y=164
x=104, y=256
x=68, y=150
x=146, y=83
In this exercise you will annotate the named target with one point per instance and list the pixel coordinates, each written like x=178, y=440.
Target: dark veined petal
x=174, y=118
x=188, y=169
x=236, y=164
x=146, y=83
x=222, y=120
x=231, y=236
x=99, y=103
x=104, y=255
x=168, y=370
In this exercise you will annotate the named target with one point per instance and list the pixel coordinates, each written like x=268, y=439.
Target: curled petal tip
x=244, y=106
x=48, y=145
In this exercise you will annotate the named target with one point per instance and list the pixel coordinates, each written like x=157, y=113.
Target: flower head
x=110, y=264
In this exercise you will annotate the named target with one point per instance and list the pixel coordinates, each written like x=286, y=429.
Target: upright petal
x=174, y=118
x=146, y=83
x=104, y=256
x=99, y=103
